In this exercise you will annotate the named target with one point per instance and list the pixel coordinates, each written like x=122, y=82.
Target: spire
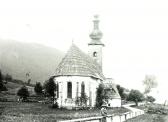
x=96, y=22
x=96, y=34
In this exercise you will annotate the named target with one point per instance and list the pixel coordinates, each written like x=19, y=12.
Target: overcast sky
x=135, y=33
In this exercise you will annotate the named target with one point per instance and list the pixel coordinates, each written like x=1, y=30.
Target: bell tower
x=95, y=45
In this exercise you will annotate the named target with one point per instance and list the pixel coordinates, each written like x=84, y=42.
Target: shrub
x=150, y=99
x=38, y=88
x=82, y=100
x=157, y=110
x=23, y=93
x=55, y=105
x=2, y=86
x=100, y=95
x=50, y=87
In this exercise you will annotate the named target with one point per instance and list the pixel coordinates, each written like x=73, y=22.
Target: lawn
x=19, y=112
x=154, y=115
x=149, y=118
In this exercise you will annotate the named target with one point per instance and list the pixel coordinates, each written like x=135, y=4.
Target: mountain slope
x=18, y=59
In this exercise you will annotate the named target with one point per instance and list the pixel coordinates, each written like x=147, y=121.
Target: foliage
x=55, y=105
x=23, y=93
x=82, y=100
x=2, y=86
x=150, y=99
x=100, y=95
x=1, y=76
x=157, y=110
x=50, y=87
x=135, y=96
x=149, y=82
x=38, y=88
x=8, y=77
x=121, y=92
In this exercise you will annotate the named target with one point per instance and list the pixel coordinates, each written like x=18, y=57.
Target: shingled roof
x=111, y=89
x=77, y=63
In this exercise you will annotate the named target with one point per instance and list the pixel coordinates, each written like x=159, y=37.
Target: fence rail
x=109, y=118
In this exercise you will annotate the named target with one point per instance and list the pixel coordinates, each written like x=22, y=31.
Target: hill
x=19, y=59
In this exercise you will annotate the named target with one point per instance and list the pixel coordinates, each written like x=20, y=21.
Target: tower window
x=69, y=90
x=94, y=54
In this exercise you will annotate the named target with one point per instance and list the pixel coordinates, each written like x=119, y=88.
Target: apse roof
x=77, y=63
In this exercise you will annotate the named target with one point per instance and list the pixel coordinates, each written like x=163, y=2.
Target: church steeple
x=95, y=45
x=96, y=34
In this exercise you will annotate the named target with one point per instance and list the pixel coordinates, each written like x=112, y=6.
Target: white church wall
x=114, y=102
x=90, y=89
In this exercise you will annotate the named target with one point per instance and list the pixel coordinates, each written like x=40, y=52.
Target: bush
x=38, y=88
x=50, y=87
x=23, y=93
x=55, y=105
x=3, y=87
x=100, y=95
x=157, y=110
x=150, y=99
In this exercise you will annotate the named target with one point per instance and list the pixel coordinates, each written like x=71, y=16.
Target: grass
x=153, y=116
x=18, y=112
x=149, y=118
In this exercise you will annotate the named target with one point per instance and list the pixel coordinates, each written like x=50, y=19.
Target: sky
x=135, y=33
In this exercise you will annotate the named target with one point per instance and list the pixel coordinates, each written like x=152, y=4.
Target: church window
x=83, y=87
x=57, y=90
x=94, y=54
x=69, y=90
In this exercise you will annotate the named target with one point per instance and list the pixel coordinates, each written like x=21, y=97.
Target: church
x=79, y=73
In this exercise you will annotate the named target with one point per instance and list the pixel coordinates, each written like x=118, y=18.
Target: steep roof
x=77, y=63
x=111, y=90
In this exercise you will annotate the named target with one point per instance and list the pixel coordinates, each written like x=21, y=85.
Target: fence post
x=111, y=118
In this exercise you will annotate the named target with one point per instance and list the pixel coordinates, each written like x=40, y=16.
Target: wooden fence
x=109, y=118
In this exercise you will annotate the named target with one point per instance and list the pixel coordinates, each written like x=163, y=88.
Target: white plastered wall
x=91, y=86
x=116, y=102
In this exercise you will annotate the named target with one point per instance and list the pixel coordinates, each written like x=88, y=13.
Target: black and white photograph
x=83, y=61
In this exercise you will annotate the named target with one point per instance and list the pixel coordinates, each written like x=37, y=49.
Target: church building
x=80, y=73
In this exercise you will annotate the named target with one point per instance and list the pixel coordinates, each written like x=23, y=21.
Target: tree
x=2, y=86
x=150, y=99
x=38, y=88
x=23, y=93
x=0, y=76
x=100, y=95
x=121, y=92
x=50, y=87
x=8, y=77
x=135, y=96
x=149, y=82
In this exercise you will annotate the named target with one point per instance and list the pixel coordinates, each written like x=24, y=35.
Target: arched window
x=94, y=54
x=57, y=90
x=82, y=87
x=69, y=90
